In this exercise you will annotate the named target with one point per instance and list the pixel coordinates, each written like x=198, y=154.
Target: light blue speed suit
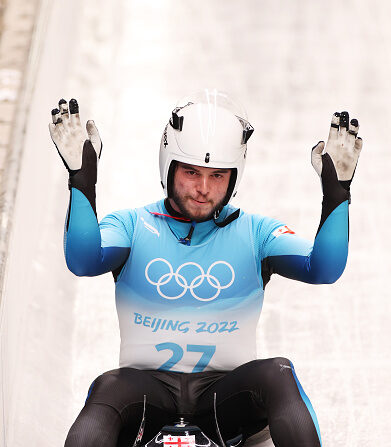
x=195, y=307
x=209, y=294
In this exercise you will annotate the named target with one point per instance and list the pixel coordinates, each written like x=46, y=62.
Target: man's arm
x=92, y=249
x=324, y=260
x=89, y=250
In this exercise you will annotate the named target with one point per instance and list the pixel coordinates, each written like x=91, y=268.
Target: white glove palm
x=343, y=146
x=68, y=135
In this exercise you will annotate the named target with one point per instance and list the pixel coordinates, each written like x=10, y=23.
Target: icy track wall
x=19, y=55
x=28, y=187
x=292, y=64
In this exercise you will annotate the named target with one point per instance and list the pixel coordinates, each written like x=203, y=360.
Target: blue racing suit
x=191, y=305
x=195, y=307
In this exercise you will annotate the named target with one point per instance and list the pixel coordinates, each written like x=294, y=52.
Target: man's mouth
x=201, y=202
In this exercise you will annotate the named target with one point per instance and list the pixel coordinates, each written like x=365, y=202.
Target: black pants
x=249, y=398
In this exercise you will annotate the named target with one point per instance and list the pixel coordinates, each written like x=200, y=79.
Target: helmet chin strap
x=233, y=216
x=175, y=214
x=231, y=185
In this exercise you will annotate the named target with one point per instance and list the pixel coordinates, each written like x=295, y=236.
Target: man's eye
x=191, y=172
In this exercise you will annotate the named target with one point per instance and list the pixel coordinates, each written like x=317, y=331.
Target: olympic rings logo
x=196, y=282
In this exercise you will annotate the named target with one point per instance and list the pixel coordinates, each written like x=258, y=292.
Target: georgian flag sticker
x=282, y=230
x=179, y=441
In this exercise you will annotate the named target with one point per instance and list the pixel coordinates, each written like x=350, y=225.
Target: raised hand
x=68, y=135
x=343, y=146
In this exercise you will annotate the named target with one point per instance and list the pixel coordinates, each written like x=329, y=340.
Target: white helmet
x=206, y=129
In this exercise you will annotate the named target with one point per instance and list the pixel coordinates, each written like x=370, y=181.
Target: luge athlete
x=190, y=273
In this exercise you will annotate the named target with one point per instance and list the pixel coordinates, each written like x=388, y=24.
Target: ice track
x=292, y=64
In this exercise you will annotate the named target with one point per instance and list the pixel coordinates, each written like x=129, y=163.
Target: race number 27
x=206, y=352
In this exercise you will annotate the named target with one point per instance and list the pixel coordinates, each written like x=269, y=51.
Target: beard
x=180, y=202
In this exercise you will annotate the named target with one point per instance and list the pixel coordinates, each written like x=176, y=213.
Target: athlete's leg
x=258, y=393
x=113, y=411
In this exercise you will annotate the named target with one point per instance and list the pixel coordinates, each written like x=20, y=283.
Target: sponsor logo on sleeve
x=150, y=228
x=282, y=230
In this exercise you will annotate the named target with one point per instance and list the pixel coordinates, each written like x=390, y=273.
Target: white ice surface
x=292, y=64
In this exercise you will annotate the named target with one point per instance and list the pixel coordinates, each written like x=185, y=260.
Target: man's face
x=198, y=192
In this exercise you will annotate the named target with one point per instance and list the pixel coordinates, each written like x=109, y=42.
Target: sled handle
x=140, y=433
x=217, y=424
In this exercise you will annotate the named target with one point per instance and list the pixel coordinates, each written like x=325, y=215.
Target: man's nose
x=203, y=185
